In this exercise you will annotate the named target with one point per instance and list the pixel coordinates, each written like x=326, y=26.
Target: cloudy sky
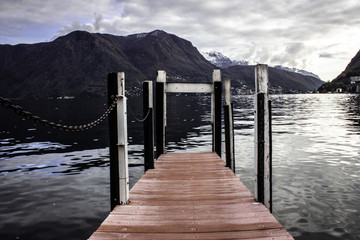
x=320, y=36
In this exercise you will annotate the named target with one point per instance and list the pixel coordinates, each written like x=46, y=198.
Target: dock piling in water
x=263, y=152
x=160, y=113
x=148, y=111
x=216, y=99
x=229, y=126
x=119, y=173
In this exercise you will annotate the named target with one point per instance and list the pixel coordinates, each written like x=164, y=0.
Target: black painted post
x=229, y=126
x=233, y=135
x=160, y=112
x=263, y=151
x=218, y=91
x=113, y=149
x=270, y=138
x=227, y=135
x=148, y=125
x=216, y=111
x=260, y=147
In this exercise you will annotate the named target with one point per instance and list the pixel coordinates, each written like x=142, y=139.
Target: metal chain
x=138, y=119
x=28, y=115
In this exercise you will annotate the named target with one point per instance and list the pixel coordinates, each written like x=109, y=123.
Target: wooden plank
x=189, y=217
x=189, y=87
x=190, y=204
x=279, y=234
x=208, y=210
x=189, y=226
x=145, y=209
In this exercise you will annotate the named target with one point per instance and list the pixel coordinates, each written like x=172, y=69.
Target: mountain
x=280, y=81
x=77, y=65
x=344, y=80
x=302, y=72
x=221, y=61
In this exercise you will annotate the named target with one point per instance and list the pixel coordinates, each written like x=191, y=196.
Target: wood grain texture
x=190, y=196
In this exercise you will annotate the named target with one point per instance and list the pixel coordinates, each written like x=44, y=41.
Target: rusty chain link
x=28, y=115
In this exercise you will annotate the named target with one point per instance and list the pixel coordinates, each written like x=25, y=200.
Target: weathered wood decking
x=190, y=196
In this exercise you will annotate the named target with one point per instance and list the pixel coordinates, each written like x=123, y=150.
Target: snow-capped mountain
x=221, y=61
x=154, y=33
x=302, y=72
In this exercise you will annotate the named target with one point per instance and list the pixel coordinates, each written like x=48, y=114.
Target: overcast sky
x=320, y=36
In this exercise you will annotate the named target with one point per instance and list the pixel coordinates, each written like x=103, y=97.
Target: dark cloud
x=333, y=55
x=293, y=33
x=326, y=55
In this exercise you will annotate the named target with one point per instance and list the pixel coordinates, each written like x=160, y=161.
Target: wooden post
x=148, y=107
x=263, y=178
x=229, y=126
x=160, y=112
x=216, y=112
x=119, y=174
x=114, y=159
x=270, y=152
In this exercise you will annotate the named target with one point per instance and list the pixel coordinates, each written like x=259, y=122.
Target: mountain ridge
x=343, y=81
x=220, y=60
x=77, y=64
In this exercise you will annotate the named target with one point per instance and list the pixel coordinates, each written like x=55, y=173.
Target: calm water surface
x=55, y=185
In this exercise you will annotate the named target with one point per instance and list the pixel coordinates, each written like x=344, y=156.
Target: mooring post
x=216, y=112
x=263, y=158
x=160, y=112
x=113, y=151
x=119, y=174
x=229, y=126
x=148, y=107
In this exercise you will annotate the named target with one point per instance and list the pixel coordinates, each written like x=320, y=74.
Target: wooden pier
x=190, y=196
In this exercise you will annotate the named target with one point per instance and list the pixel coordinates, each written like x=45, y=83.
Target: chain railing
x=28, y=115
x=136, y=118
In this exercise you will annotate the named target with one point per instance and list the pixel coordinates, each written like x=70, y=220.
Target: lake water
x=55, y=185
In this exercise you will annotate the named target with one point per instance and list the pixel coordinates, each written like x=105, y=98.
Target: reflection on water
x=57, y=184
x=188, y=123
x=10, y=148
x=316, y=154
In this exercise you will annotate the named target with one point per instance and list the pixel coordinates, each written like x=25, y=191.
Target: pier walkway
x=190, y=196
